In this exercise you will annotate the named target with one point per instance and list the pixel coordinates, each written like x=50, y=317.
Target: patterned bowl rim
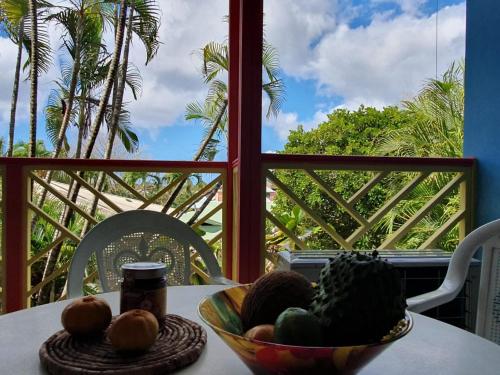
x=407, y=319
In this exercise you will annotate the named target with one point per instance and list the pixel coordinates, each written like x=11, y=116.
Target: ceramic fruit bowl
x=221, y=311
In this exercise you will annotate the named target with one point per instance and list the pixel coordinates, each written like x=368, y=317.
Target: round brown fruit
x=86, y=316
x=134, y=330
x=272, y=294
x=264, y=332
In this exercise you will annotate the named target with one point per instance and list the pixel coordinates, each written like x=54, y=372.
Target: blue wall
x=482, y=103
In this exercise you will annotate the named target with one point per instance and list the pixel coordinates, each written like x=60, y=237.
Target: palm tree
x=438, y=111
x=15, y=27
x=13, y=15
x=83, y=23
x=68, y=212
x=213, y=112
x=23, y=149
x=145, y=24
x=99, y=117
x=33, y=74
x=436, y=131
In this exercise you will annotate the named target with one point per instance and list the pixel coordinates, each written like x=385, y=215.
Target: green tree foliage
x=429, y=125
x=436, y=130
x=347, y=132
x=437, y=114
x=344, y=133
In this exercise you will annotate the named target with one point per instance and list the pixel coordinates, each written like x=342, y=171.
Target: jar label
x=154, y=301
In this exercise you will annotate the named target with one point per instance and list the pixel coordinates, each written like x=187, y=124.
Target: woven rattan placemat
x=179, y=343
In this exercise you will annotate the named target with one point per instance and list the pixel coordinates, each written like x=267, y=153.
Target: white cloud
x=170, y=81
x=388, y=60
x=286, y=121
x=291, y=26
x=376, y=65
x=8, y=55
x=379, y=64
x=7, y=63
x=173, y=78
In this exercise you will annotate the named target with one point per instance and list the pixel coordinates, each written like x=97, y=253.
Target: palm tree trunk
x=117, y=106
x=109, y=80
x=50, y=264
x=67, y=116
x=121, y=87
x=15, y=89
x=71, y=97
x=81, y=126
x=208, y=198
x=33, y=75
x=53, y=255
x=197, y=157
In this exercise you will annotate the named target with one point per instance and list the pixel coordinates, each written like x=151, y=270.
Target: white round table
x=431, y=347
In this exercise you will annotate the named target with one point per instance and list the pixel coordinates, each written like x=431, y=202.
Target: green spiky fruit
x=358, y=299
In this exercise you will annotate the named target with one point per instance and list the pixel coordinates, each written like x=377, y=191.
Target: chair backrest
x=486, y=237
x=139, y=235
x=488, y=309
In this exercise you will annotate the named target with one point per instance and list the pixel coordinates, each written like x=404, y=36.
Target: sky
x=333, y=54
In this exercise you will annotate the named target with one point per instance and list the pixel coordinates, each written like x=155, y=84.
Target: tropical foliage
x=436, y=130
x=89, y=94
x=212, y=114
x=87, y=100
x=431, y=124
x=344, y=133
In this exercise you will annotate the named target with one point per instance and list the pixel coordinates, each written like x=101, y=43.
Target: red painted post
x=15, y=245
x=250, y=223
x=233, y=131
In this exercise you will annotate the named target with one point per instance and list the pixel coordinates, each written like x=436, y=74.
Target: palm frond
x=215, y=60
x=14, y=11
x=127, y=136
x=133, y=80
x=43, y=46
x=275, y=91
x=54, y=113
x=270, y=61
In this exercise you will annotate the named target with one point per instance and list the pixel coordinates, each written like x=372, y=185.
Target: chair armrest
x=430, y=300
x=221, y=280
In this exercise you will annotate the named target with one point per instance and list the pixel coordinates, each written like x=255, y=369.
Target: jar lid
x=144, y=270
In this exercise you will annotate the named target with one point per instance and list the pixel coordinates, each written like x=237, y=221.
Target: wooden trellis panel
x=408, y=178
x=119, y=196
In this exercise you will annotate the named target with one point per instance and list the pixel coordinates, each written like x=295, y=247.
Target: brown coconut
x=273, y=293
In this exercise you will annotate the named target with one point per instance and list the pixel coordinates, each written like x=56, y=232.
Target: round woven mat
x=179, y=343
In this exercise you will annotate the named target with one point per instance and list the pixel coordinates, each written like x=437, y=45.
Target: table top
x=432, y=347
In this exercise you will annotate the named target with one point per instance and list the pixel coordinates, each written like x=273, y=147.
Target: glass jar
x=144, y=286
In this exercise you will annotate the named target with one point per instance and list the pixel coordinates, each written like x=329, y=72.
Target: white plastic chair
x=486, y=237
x=140, y=235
